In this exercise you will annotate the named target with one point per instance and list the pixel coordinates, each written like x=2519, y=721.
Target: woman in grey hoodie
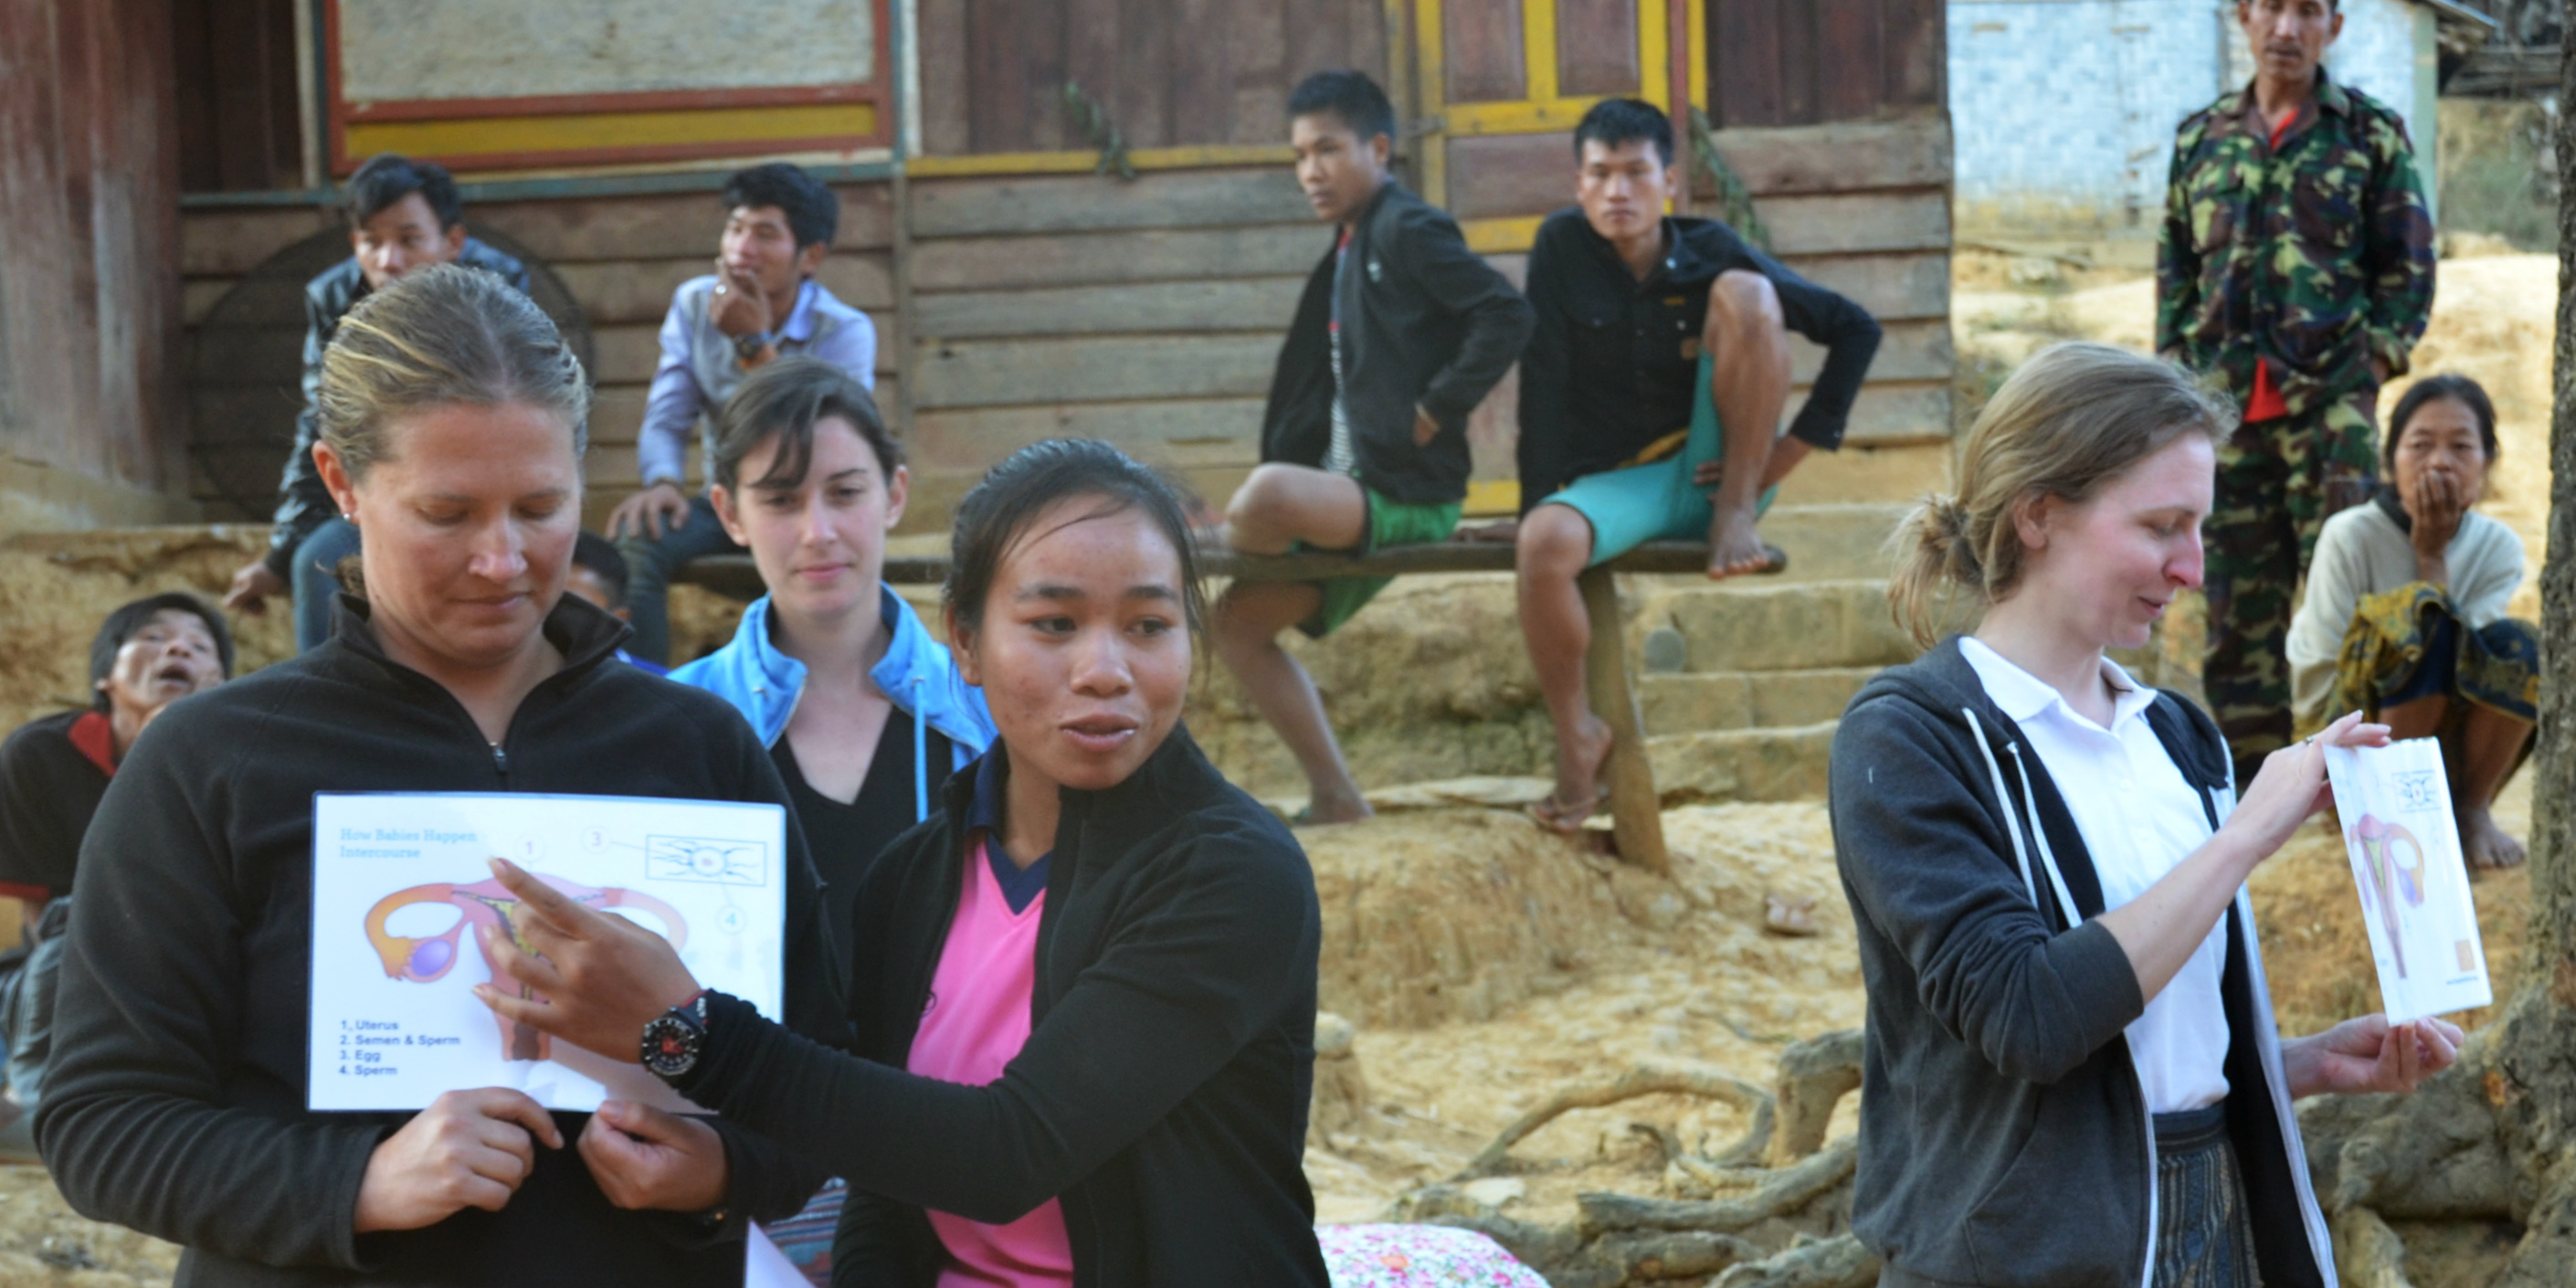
x=2071, y=1075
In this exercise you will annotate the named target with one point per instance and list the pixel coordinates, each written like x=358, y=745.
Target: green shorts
x=1390, y=523
x=1655, y=502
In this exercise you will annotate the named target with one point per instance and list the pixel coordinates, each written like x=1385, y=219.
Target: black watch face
x=670, y=1046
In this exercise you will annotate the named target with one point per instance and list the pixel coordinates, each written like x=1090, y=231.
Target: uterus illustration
x=489, y=903
x=2389, y=882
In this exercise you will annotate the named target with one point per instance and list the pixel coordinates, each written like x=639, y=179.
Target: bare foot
x=1578, y=779
x=1734, y=547
x=1788, y=914
x=1579, y=760
x=1337, y=808
x=2486, y=845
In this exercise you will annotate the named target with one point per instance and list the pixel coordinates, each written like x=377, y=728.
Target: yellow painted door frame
x=1542, y=109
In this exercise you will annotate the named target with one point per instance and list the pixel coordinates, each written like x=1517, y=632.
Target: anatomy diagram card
x=402, y=882
x=2395, y=804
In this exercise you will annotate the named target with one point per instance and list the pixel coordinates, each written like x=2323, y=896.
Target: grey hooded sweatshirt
x=2004, y=1140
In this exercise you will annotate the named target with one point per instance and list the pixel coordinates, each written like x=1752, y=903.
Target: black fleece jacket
x=176, y=1100
x=1163, y=1092
x=2004, y=1139
x=1426, y=323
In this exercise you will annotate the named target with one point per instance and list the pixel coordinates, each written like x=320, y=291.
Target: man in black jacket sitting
x=1401, y=332
x=404, y=216
x=1651, y=397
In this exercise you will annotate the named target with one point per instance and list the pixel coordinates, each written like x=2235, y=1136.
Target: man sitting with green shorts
x=1401, y=332
x=1650, y=403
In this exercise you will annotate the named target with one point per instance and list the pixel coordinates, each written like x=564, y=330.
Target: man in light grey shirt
x=761, y=303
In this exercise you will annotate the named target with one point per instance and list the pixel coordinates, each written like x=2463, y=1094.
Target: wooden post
x=1636, y=813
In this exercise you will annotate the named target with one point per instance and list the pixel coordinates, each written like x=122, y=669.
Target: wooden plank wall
x=1861, y=208
x=1809, y=62
x=621, y=257
x=1148, y=313
x=89, y=298
x=1169, y=72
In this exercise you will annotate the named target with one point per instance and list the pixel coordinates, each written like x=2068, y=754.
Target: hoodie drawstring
x=2003, y=796
x=2047, y=856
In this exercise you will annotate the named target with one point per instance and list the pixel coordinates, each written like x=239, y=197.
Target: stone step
x=1712, y=701
x=1793, y=626
x=1833, y=542
x=1742, y=764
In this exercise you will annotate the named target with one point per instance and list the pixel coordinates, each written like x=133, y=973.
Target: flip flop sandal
x=1560, y=818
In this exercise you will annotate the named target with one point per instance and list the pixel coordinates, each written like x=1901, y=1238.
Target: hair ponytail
x=2074, y=417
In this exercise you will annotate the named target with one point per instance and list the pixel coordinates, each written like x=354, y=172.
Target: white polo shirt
x=2139, y=817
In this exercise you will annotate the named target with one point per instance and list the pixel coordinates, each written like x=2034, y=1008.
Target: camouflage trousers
x=2278, y=482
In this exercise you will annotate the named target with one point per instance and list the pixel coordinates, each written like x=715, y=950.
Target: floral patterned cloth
x=1418, y=1256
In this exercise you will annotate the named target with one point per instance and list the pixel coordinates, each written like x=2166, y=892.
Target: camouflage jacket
x=2315, y=259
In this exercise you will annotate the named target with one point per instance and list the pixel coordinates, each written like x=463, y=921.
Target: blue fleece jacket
x=917, y=673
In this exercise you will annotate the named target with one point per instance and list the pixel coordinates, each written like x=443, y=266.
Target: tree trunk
x=2496, y=1136
x=2535, y=1095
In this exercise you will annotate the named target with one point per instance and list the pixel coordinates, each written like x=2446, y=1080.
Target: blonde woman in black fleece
x=1085, y=988
x=2071, y=1075
x=451, y=419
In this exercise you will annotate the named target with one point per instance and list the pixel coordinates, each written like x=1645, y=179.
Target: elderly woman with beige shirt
x=2404, y=617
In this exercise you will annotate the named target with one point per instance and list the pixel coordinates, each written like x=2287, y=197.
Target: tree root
x=1785, y=1191
x=2434, y=1155
x=1815, y=1075
x=2367, y=1253
x=1620, y=1239
x=1650, y=1079
x=1839, y=1262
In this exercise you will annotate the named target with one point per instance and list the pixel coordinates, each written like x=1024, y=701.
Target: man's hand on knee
x=649, y=513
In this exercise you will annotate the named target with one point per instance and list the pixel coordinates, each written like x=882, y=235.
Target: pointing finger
x=544, y=901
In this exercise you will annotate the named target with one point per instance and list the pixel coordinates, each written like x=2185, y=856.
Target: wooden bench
x=1635, y=810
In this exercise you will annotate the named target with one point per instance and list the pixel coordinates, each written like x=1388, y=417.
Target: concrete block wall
x=2064, y=110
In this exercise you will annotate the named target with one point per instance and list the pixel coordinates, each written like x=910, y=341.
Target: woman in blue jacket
x=862, y=711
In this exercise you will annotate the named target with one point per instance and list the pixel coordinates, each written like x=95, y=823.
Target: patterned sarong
x=2203, y=1236
x=2393, y=639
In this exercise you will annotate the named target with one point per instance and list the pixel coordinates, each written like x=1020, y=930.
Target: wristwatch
x=748, y=347
x=674, y=1039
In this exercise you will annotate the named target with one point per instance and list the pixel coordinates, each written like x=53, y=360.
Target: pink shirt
x=977, y=1020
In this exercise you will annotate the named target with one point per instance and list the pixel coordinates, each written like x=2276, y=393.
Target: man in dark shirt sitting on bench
x=1651, y=396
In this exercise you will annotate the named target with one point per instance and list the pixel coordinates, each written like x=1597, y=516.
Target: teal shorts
x=1655, y=502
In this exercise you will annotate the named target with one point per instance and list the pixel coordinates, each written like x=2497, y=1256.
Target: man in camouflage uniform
x=2296, y=263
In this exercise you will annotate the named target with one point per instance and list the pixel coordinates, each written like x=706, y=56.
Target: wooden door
x=1502, y=83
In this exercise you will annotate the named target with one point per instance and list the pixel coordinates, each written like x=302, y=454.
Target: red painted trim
x=889, y=102
x=333, y=109
x=1677, y=85
x=466, y=109
x=26, y=893
x=643, y=153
